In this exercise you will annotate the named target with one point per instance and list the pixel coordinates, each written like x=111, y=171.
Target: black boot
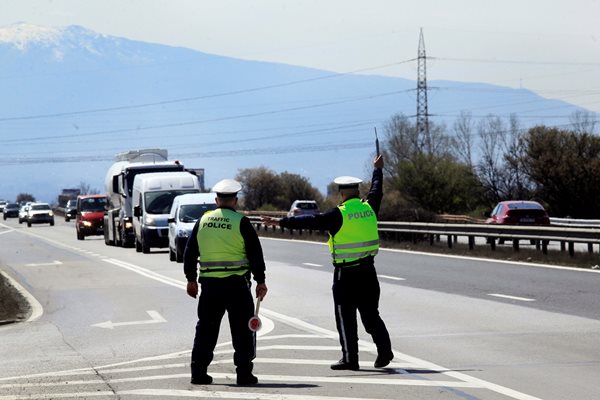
x=244, y=375
x=343, y=365
x=201, y=379
x=383, y=359
x=199, y=375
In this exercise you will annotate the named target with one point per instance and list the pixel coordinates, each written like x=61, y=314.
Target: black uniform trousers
x=217, y=295
x=357, y=288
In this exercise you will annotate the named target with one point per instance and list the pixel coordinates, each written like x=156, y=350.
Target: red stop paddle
x=255, y=323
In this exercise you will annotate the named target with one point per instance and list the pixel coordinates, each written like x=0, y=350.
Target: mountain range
x=71, y=98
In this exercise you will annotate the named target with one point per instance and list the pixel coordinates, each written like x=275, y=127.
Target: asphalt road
x=112, y=323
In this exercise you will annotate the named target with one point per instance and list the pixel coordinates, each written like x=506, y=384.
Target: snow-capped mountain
x=71, y=98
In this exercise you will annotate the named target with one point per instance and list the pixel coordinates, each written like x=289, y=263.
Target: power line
x=500, y=61
x=197, y=122
x=309, y=148
x=204, y=97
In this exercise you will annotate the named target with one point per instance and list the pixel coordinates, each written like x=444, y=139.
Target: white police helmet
x=227, y=188
x=347, y=181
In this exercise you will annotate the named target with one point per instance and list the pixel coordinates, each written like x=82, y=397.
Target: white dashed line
x=393, y=278
x=312, y=265
x=504, y=296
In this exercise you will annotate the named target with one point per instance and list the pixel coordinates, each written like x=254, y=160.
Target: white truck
x=118, y=218
x=152, y=198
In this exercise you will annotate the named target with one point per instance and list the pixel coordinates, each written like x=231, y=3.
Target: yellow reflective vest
x=221, y=245
x=358, y=237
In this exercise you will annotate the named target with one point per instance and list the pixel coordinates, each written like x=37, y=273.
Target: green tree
x=426, y=172
x=264, y=189
x=295, y=187
x=260, y=187
x=565, y=168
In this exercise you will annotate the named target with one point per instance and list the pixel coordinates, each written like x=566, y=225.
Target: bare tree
x=85, y=188
x=583, y=121
x=490, y=171
x=518, y=184
x=463, y=138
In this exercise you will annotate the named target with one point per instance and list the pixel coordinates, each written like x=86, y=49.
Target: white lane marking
x=230, y=395
x=36, y=308
x=8, y=231
x=393, y=278
x=312, y=265
x=147, y=273
x=155, y=318
x=82, y=395
x=48, y=264
x=271, y=378
x=407, y=358
x=505, y=296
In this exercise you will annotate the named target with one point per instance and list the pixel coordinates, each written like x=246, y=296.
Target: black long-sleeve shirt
x=252, y=245
x=332, y=220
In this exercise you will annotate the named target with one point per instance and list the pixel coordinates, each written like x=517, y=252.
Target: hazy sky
x=550, y=46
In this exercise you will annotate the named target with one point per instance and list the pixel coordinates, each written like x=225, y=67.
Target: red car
x=519, y=212
x=89, y=219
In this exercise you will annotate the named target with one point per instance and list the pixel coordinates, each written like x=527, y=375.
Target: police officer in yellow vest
x=353, y=243
x=228, y=250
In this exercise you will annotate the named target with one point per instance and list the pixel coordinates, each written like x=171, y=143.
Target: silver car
x=303, y=207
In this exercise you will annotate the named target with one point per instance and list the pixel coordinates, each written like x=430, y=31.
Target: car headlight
x=149, y=220
x=87, y=224
x=128, y=225
x=51, y=214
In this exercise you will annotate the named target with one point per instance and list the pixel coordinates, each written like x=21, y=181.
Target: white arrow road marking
x=504, y=296
x=156, y=318
x=55, y=262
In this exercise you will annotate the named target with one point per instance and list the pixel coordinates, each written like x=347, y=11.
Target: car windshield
x=92, y=204
x=40, y=207
x=191, y=212
x=12, y=205
x=161, y=202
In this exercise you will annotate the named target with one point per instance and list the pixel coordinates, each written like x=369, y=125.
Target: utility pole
x=422, y=111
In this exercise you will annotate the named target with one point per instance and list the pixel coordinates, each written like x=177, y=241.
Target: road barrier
x=541, y=236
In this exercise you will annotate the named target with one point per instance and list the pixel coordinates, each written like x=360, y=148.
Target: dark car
x=11, y=210
x=70, y=210
x=519, y=212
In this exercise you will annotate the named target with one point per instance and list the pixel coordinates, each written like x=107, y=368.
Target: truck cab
x=152, y=197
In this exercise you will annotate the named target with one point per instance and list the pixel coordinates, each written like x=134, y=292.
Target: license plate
x=527, y=220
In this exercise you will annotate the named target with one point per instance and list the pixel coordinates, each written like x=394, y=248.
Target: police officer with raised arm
x=226, y=245
x=353, y=243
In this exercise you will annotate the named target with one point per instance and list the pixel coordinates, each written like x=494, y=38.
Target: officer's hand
x=261, y=291
x=192, y=289
x=269, y=221
x=378, y=162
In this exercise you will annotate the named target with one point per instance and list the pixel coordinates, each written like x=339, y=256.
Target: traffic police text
x=217, y=222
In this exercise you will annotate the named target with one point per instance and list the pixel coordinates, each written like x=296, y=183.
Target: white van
x=185, y=211
x=152, y=197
